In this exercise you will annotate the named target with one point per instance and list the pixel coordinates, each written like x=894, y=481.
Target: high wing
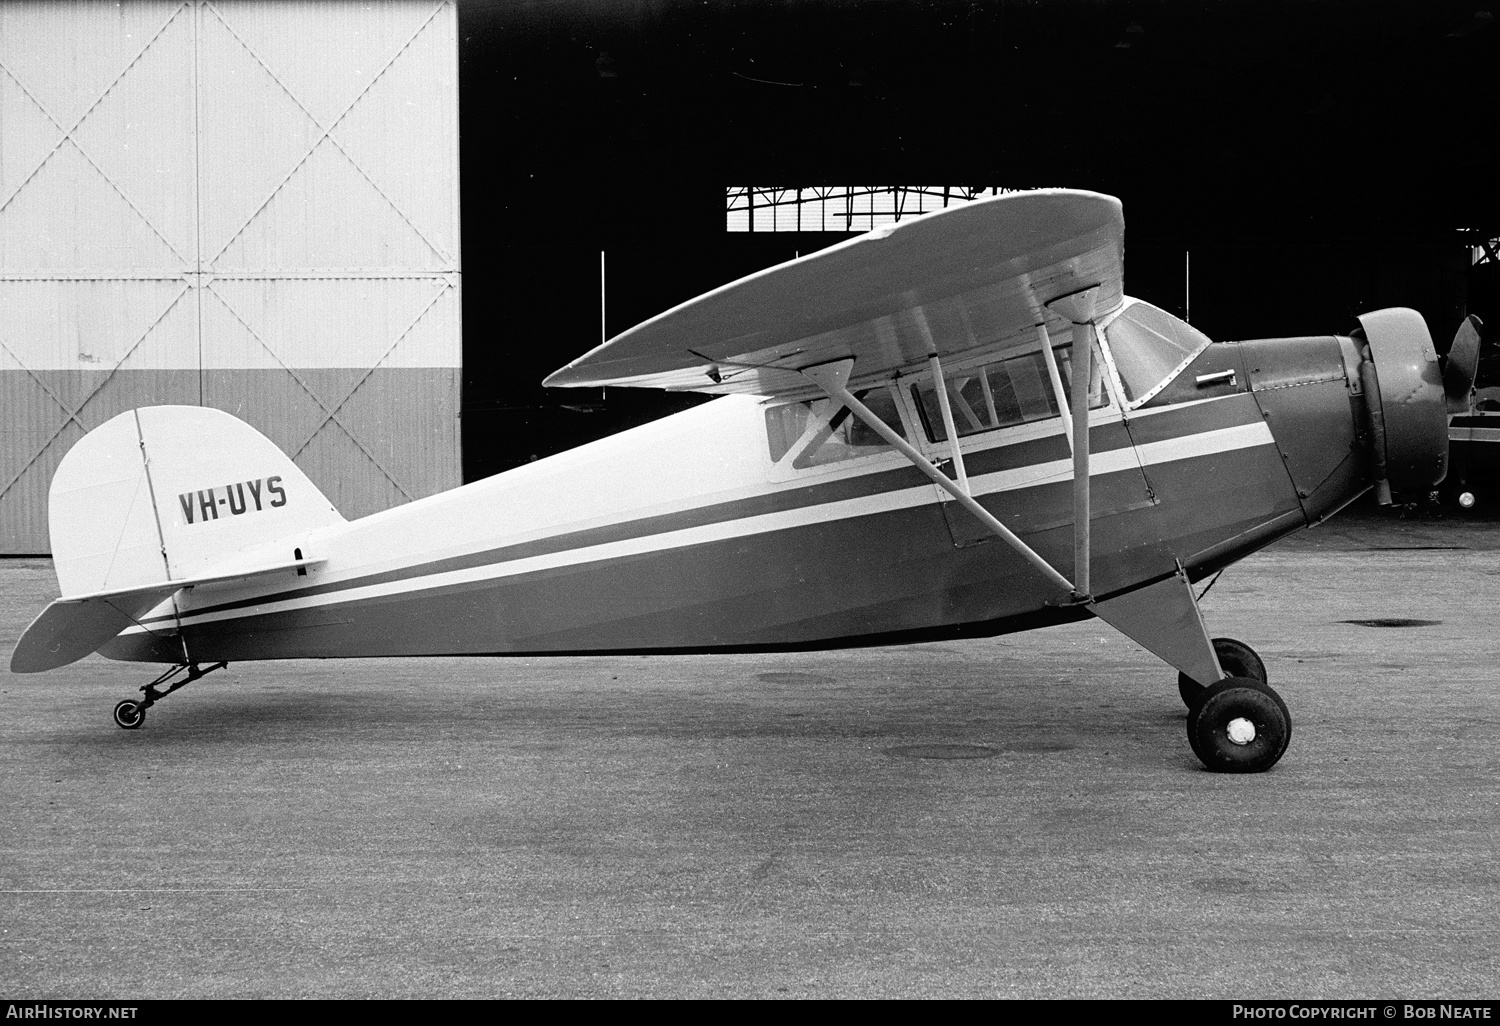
x=953, y=282
x=966, y=281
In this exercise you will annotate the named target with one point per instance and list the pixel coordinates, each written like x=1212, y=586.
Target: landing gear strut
x=130, y=714
x=1238, y=660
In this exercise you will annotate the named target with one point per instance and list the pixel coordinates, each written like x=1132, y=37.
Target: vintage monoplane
x=956, y=426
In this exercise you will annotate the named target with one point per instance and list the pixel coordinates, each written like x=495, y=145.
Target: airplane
x=1471, y=434
x=954, y=426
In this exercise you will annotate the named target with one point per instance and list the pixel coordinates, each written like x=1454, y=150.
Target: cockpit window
x=1148, y=345
x=1000, y=394
x=820, y=431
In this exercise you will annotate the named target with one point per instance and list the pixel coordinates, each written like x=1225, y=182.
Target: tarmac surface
x=1016, y=817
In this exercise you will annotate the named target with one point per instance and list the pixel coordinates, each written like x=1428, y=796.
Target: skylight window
x=840, y=208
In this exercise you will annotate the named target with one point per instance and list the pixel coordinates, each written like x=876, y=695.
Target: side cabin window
x=1150, y=346
x=1001, y=394
x=818, y=432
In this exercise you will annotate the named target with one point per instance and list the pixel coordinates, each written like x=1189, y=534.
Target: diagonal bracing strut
x=833, y=378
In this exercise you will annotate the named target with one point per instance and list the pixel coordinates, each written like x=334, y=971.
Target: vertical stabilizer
x=171, y=492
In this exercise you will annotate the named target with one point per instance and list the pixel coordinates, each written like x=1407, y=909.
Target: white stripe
x=1473, y=434
x=1241, y=436
x=1113, y=461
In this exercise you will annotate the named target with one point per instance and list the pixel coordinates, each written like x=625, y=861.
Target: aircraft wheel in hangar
x=1458, y=495
x=1238, y=660
x=1239, y=725
x=129, y=715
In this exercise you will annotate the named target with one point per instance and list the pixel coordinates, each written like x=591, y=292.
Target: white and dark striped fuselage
x=685, y=535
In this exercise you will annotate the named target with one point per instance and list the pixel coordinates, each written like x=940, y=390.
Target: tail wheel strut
x=130, y=714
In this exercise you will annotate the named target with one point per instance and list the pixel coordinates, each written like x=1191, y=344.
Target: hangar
x=1288, y=164
x=252, y=206
x=1284, y=166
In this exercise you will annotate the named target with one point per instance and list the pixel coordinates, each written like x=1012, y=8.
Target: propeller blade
x=1463, y=362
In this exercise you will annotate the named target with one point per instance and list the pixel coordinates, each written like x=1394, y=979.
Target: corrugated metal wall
x=252, y=206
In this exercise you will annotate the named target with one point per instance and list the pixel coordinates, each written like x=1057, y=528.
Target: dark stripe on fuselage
x=1105, y=438
x=847, y=582
x=877, y=574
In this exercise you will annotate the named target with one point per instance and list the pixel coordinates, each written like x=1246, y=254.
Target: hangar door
x=252, y=206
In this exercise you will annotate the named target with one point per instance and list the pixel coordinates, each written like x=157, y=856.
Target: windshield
x=1148, y=345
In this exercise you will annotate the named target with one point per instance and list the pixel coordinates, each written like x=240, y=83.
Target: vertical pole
x=1058, y=391
x=947, y=408
x=1187, y=285
x=1083, y=351
x=603, y=330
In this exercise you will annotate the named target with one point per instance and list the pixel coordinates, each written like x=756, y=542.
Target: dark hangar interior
x=1316, y=159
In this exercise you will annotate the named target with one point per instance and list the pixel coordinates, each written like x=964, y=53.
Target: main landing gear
x=1235, y=725
x=1238, y=660
x=1239, y=724
x=130, y=714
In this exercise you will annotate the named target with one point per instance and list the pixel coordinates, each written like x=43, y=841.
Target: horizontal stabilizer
x=157, y=500
x=71, y=628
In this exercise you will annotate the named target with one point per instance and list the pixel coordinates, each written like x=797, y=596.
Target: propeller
x=1461, y=366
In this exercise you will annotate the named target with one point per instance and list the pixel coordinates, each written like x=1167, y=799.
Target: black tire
x=129, y=715
x=1239, y=725
x=1237, y=659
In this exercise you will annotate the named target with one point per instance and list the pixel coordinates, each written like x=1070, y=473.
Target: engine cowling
x=1405, y=402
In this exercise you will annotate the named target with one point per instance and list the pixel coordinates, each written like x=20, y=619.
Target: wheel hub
x=1241, y=731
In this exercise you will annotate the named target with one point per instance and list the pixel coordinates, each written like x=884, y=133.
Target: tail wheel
x=1237, y=659
x=130, y=715
x=1239, y=725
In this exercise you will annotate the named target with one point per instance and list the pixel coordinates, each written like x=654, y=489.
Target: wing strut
x=1078, y=307
x=947, y=408
x=1057, y=386
x=833, y=378
x=941, y=387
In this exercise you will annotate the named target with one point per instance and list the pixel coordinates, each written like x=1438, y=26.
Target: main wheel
x=1237, y=660
x=130, y=715
x=1239, y=725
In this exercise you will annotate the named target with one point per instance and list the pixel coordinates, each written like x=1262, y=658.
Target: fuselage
x=732, y=526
